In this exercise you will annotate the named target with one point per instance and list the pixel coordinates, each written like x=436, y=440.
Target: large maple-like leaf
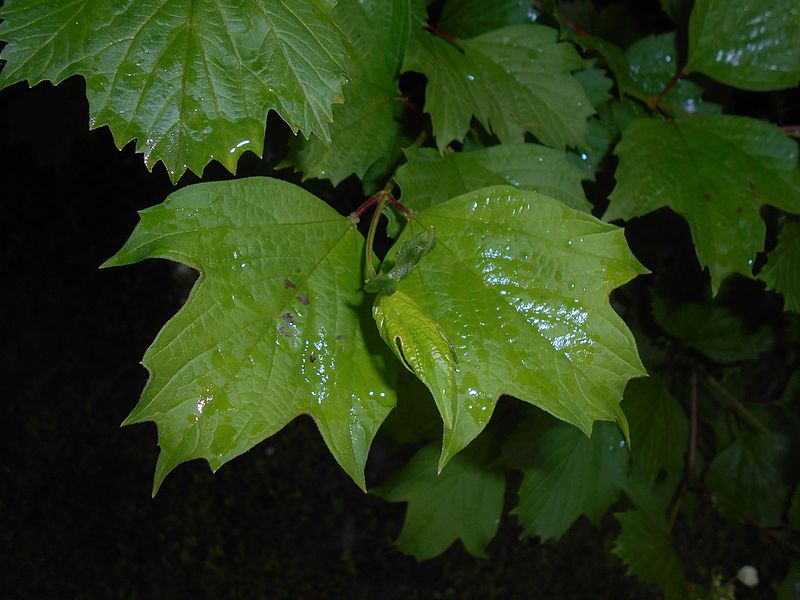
x=513, y=80
x=364, y=126
x=753, y=45
x=189, y=80
x=716, y=172
x=519, y=283
x=276, y=326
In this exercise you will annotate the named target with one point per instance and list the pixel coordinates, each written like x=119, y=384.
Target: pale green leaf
x=712, y=330
x=520, y=282
x=364, y=127
x=513, y=80
x=429, y=178
x=469, y=18
x=716, y=172
x=421, y=345
x=749, y=44
x=464, y=502
x=273, y=328
x=645, y=548
x=574, y=475
x=782, y=271
x=748, y=474
x=659, y=429
x=191, y=82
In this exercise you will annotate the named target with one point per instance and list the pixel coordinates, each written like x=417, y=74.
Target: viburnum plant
x=487, y=133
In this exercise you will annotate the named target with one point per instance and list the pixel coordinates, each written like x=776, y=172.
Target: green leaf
x=520, y=282
x=574, y=476
x=659, y=429
x=652, y=63
x=404, y=262
x=751, y=44
x=428, y=178
x=716, y=172
x=469, y=18
x=789, y=588
x=364, y=126
x=191, y=83
x=421, y=345
x=645, y=548
x=782, y=271
x=464, y=502
x=273, y=328
x=513, y=80
x=712, y=330
x=595, y=83
x=749, y=474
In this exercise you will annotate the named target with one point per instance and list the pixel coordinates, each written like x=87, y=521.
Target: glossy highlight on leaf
x=749, y=44
x=273, y=327
x=190, y=83
x=422, y=346
x=520, y=282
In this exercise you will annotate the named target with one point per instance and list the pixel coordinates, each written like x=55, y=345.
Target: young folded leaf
x=421, y=345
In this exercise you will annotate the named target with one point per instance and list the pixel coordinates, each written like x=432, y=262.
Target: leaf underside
x=275, y=327
x=192, y=83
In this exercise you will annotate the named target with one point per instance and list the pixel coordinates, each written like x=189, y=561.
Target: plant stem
x=693, y=429
x=656, y=104
x=737, y=406
x=373, y=227
x=443, y=34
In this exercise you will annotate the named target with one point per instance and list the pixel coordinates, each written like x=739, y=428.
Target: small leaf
x=421, y=345
x=645, y=548
x=574, y=476
x=712, y=330
x=659, y=429
x=749, y=474
x=789, y=588
x=429, y=178
x=520, y=283
x=364, y=126
x=266, y=334
x=595, y=83
x=753, y=45
x=716, y=172
x=191, y=83
x=782, y=271
x=464, y=502
x=513, y=80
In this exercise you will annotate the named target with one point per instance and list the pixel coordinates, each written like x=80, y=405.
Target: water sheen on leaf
x=749, y=44
x=520, y=282
x=190, y=82
x=716, y=172
x=421, y=345
x=273, y=327
x=464, y=502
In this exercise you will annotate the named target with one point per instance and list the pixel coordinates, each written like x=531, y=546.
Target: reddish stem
x=576, y=28
x=443, y=34
x=374, y=199
x=668, y=88
x=791, y=128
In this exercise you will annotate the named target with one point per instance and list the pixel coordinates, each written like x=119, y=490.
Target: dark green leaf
x=595, y=83
x=190, y=83
x=363, y=127
x=267, y=334
x=520, y=284
x=711, y=329
x=469, y=18
x=782, y=271
x=513, y=80
x=789, y=588
x=574, y=476
x=750, y=44
x=716, y=172
x=748, y=474
x=659, y=429
x=464, y=502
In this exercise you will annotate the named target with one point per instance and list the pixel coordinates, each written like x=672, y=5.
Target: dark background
x=282, y=521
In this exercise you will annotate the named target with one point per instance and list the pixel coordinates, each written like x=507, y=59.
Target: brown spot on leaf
x=303, y=298
x=339, y=337
x=288, y=283
x=283, y=331
x=288, y=317
x=707, y=196
x=738, y=209
x=312, y=358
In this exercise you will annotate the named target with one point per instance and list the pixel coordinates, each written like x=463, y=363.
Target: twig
x=738, y=407
x=656, y=103
x=443, y=34
x=693, y=429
